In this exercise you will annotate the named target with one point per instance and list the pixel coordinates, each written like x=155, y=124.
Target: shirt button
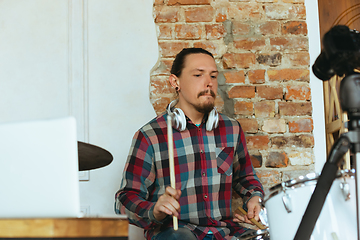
x=204, y=174
x=202, y=151
x=205, y=196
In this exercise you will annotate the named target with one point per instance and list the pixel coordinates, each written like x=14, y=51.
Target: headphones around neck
x=178, y=118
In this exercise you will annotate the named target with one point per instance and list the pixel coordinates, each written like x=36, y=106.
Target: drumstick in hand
x=171, y=162
x=259, y=225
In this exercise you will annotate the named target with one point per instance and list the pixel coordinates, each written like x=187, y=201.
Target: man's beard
x=208, y=106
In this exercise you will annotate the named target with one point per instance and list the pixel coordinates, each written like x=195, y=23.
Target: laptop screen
x=39, y=169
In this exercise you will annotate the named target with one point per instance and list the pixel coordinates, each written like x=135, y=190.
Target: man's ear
x=174, y=81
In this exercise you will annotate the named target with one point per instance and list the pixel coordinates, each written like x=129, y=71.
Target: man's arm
x=245, y=181
x=136, y=185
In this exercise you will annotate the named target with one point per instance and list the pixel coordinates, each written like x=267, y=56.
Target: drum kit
x=324, y=206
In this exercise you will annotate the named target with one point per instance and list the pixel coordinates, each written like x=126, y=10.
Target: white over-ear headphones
x=178, y=119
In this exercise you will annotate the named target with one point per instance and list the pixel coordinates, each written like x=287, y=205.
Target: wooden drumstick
x=171, y=162
x=259, y=225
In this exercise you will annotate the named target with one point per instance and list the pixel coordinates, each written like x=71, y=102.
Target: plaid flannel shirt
x=208, y=164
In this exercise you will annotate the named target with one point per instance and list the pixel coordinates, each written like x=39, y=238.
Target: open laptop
x=39, y=169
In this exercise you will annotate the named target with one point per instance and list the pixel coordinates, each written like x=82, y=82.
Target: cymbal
x=92, y=157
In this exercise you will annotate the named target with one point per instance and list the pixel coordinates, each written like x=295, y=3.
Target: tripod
x=350, y=103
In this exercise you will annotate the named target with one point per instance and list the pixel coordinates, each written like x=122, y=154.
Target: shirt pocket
x=224, y=158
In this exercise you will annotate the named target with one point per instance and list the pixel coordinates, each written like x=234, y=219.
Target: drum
x=286, y=204
x=262, y=234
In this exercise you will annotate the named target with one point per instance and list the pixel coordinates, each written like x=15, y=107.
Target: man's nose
x=209, y=81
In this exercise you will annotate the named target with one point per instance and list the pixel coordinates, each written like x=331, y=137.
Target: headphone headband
x=178, y=118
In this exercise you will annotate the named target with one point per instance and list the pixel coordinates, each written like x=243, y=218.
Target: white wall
x=87, y=58
x=123, y=49
x=317, y=96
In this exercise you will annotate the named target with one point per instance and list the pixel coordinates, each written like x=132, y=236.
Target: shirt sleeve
x=137, y=184
x=245, y=181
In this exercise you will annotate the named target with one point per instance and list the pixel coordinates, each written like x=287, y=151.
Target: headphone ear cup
x=179, y=120
x=213, y=120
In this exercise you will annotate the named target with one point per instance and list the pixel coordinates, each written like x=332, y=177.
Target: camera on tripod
x=340, y=53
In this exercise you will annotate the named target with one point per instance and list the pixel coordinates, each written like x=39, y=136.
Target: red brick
x=249, y=125
x=221, y=17
x=273, y=59
x=158, y=2
x=164, y=14
x=235, y=77
x=250, y=43
x=170, y=49
x=269, y=28
x=199, y=14
x=293, y=1
x=266, y=1
x=294, y=27
x=165, y=32
x=264, y=109
x=289, y=43
x=163, y=67
x=240, y=28
x=221, y=14
x=269, y=92
x=210, y=46
x=295, y=109
x=256, y=160
x=289, y=74
x=219, y=103
x=238, y=60
x=187, y=32
x=269, y=178
x=298, y=93
x=188, y=2
x=257, y=142
x=302, y=141
x=297, y=58
x=274, y=125
x=160, y=104
x=240, y=11
x=244, y=108
x=256, y=76
x=242, y=92
x=160, y=86
x=277, y=160
x=301, y=125
x=298, y=11
x=215, y=31
x=283, y=11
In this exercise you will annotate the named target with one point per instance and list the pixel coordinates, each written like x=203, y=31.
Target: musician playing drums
x=210, y=158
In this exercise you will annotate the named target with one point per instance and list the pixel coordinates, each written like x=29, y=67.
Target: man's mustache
x=207, y=92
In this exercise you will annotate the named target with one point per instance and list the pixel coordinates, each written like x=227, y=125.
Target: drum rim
x=301, y=181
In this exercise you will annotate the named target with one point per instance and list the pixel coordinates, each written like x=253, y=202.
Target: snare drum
x=262, y=234
x=286, y=204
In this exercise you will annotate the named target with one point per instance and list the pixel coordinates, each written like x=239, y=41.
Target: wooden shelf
x=63, y=228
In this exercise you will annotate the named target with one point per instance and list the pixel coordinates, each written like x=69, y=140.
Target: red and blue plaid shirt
x=208, y=165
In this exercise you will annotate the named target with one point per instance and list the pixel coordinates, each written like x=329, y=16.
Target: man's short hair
x=179, y=62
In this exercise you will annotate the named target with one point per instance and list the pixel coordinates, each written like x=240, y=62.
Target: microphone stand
x=349, y=96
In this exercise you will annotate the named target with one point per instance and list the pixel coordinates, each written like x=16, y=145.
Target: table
x=64, y=228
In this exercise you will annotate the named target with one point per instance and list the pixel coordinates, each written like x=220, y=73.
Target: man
x=210, y=159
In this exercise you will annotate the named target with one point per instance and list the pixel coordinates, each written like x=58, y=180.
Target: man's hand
x=254, y=208
x=167, y=204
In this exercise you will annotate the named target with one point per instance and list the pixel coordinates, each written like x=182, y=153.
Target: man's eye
x=214, y=77
x=197, y=75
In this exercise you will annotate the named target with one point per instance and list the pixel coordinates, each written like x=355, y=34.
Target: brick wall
x=261, y=50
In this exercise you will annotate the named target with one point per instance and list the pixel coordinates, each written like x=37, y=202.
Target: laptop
x=39, y=169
